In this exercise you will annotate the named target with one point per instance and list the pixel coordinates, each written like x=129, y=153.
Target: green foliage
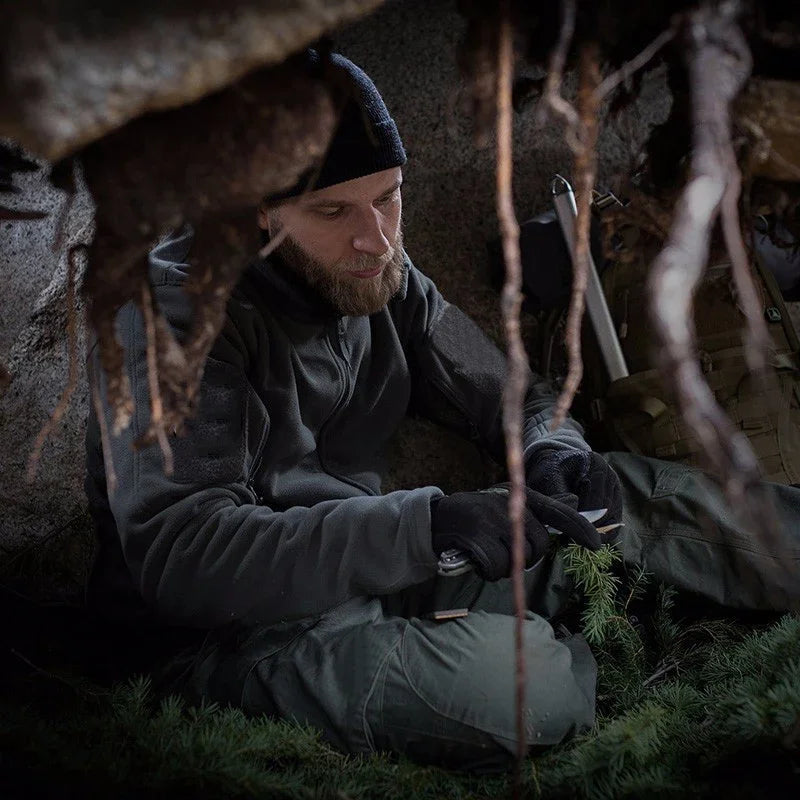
x=591, y=571
x=129, y=739
x=680, y=703
x=699, y=708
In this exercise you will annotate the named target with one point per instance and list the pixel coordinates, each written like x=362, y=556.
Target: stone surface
x=408, y=48
x=71, y=72
x=33, y=346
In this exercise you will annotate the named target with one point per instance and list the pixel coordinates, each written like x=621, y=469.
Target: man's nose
x=370, y=237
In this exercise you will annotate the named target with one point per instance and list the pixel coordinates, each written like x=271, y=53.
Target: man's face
x=345, y=240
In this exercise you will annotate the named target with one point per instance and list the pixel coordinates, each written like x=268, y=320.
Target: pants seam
x=659, y=533
x=364, y=724
x=263, y=658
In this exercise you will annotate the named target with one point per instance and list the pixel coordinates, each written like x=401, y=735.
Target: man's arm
x=200, y=549
x=459, y=375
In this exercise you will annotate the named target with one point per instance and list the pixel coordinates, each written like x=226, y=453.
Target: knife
x=455, y=562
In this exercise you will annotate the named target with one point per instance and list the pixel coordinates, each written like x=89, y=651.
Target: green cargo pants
x=374, y=674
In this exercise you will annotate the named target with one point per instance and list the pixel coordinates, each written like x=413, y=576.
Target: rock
x=72, y=72
x=32, y=345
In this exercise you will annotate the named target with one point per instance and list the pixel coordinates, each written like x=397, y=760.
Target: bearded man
x=314, y=596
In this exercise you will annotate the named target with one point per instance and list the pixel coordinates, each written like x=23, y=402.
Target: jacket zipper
x=344, y=397
x=257, y=459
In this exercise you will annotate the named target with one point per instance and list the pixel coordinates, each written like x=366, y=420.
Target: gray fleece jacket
x=274, y=511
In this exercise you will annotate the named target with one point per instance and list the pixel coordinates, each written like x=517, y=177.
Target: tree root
x=105, y=436
x=757, y=339
x=585, y=168
x=269, y=130
x=156, y=406
x=719, y=64
x=516, y=383
x=610, y=82
x=551, y=97
x=112, y=281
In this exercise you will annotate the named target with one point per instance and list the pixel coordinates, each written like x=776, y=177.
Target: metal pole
x=566, y=211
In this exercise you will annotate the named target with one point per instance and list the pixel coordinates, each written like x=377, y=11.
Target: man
x=272, y=534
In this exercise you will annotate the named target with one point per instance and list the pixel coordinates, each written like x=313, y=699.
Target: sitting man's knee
x=459, y=689
x=560, y=691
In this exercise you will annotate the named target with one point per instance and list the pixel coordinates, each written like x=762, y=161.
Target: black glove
x=478, y=524
x=581, y=479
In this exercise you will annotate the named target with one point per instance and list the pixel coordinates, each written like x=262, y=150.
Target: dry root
x=516, y=384
x=585, y=170
x=581, y=136
x=105, y=436
x=581, y=133
x=268, y=132
x=552, y=99
x=719, y=64
x=112, y=280
x=157, y=428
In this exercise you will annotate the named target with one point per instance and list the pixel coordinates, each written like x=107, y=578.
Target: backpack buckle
x=603, y=200
x=773, y=314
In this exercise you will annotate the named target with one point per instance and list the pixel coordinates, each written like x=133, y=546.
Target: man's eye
x=387, y=199
x=330, y=213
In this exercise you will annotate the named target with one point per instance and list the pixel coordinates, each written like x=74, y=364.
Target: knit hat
x=366, y=139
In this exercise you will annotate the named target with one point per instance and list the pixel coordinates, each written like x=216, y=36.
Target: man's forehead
x=368, y=186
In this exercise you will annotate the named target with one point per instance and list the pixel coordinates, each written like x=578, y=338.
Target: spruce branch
x=591, y=571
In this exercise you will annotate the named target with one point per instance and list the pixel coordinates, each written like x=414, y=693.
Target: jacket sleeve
x=459, y=375
x=200, y=549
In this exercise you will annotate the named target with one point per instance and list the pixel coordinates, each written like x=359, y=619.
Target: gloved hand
x=478, y=523
x=581, y=479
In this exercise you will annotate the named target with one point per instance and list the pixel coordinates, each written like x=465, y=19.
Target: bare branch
x=585, y=172
x=610, y=82
x=718, y=66
x=757, y=339
x=113, y=276
x=516, y=384
x=156, y=406
x=551, y=96
x=105, y=437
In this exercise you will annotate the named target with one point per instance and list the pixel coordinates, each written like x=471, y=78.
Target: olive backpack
x=637, y=413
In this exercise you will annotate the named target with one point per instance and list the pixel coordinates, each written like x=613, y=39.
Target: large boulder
x=33, y=347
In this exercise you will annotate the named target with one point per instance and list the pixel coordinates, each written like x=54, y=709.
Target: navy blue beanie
x=366, y=139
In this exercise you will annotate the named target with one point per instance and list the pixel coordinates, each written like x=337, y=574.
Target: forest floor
x=689, y=705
